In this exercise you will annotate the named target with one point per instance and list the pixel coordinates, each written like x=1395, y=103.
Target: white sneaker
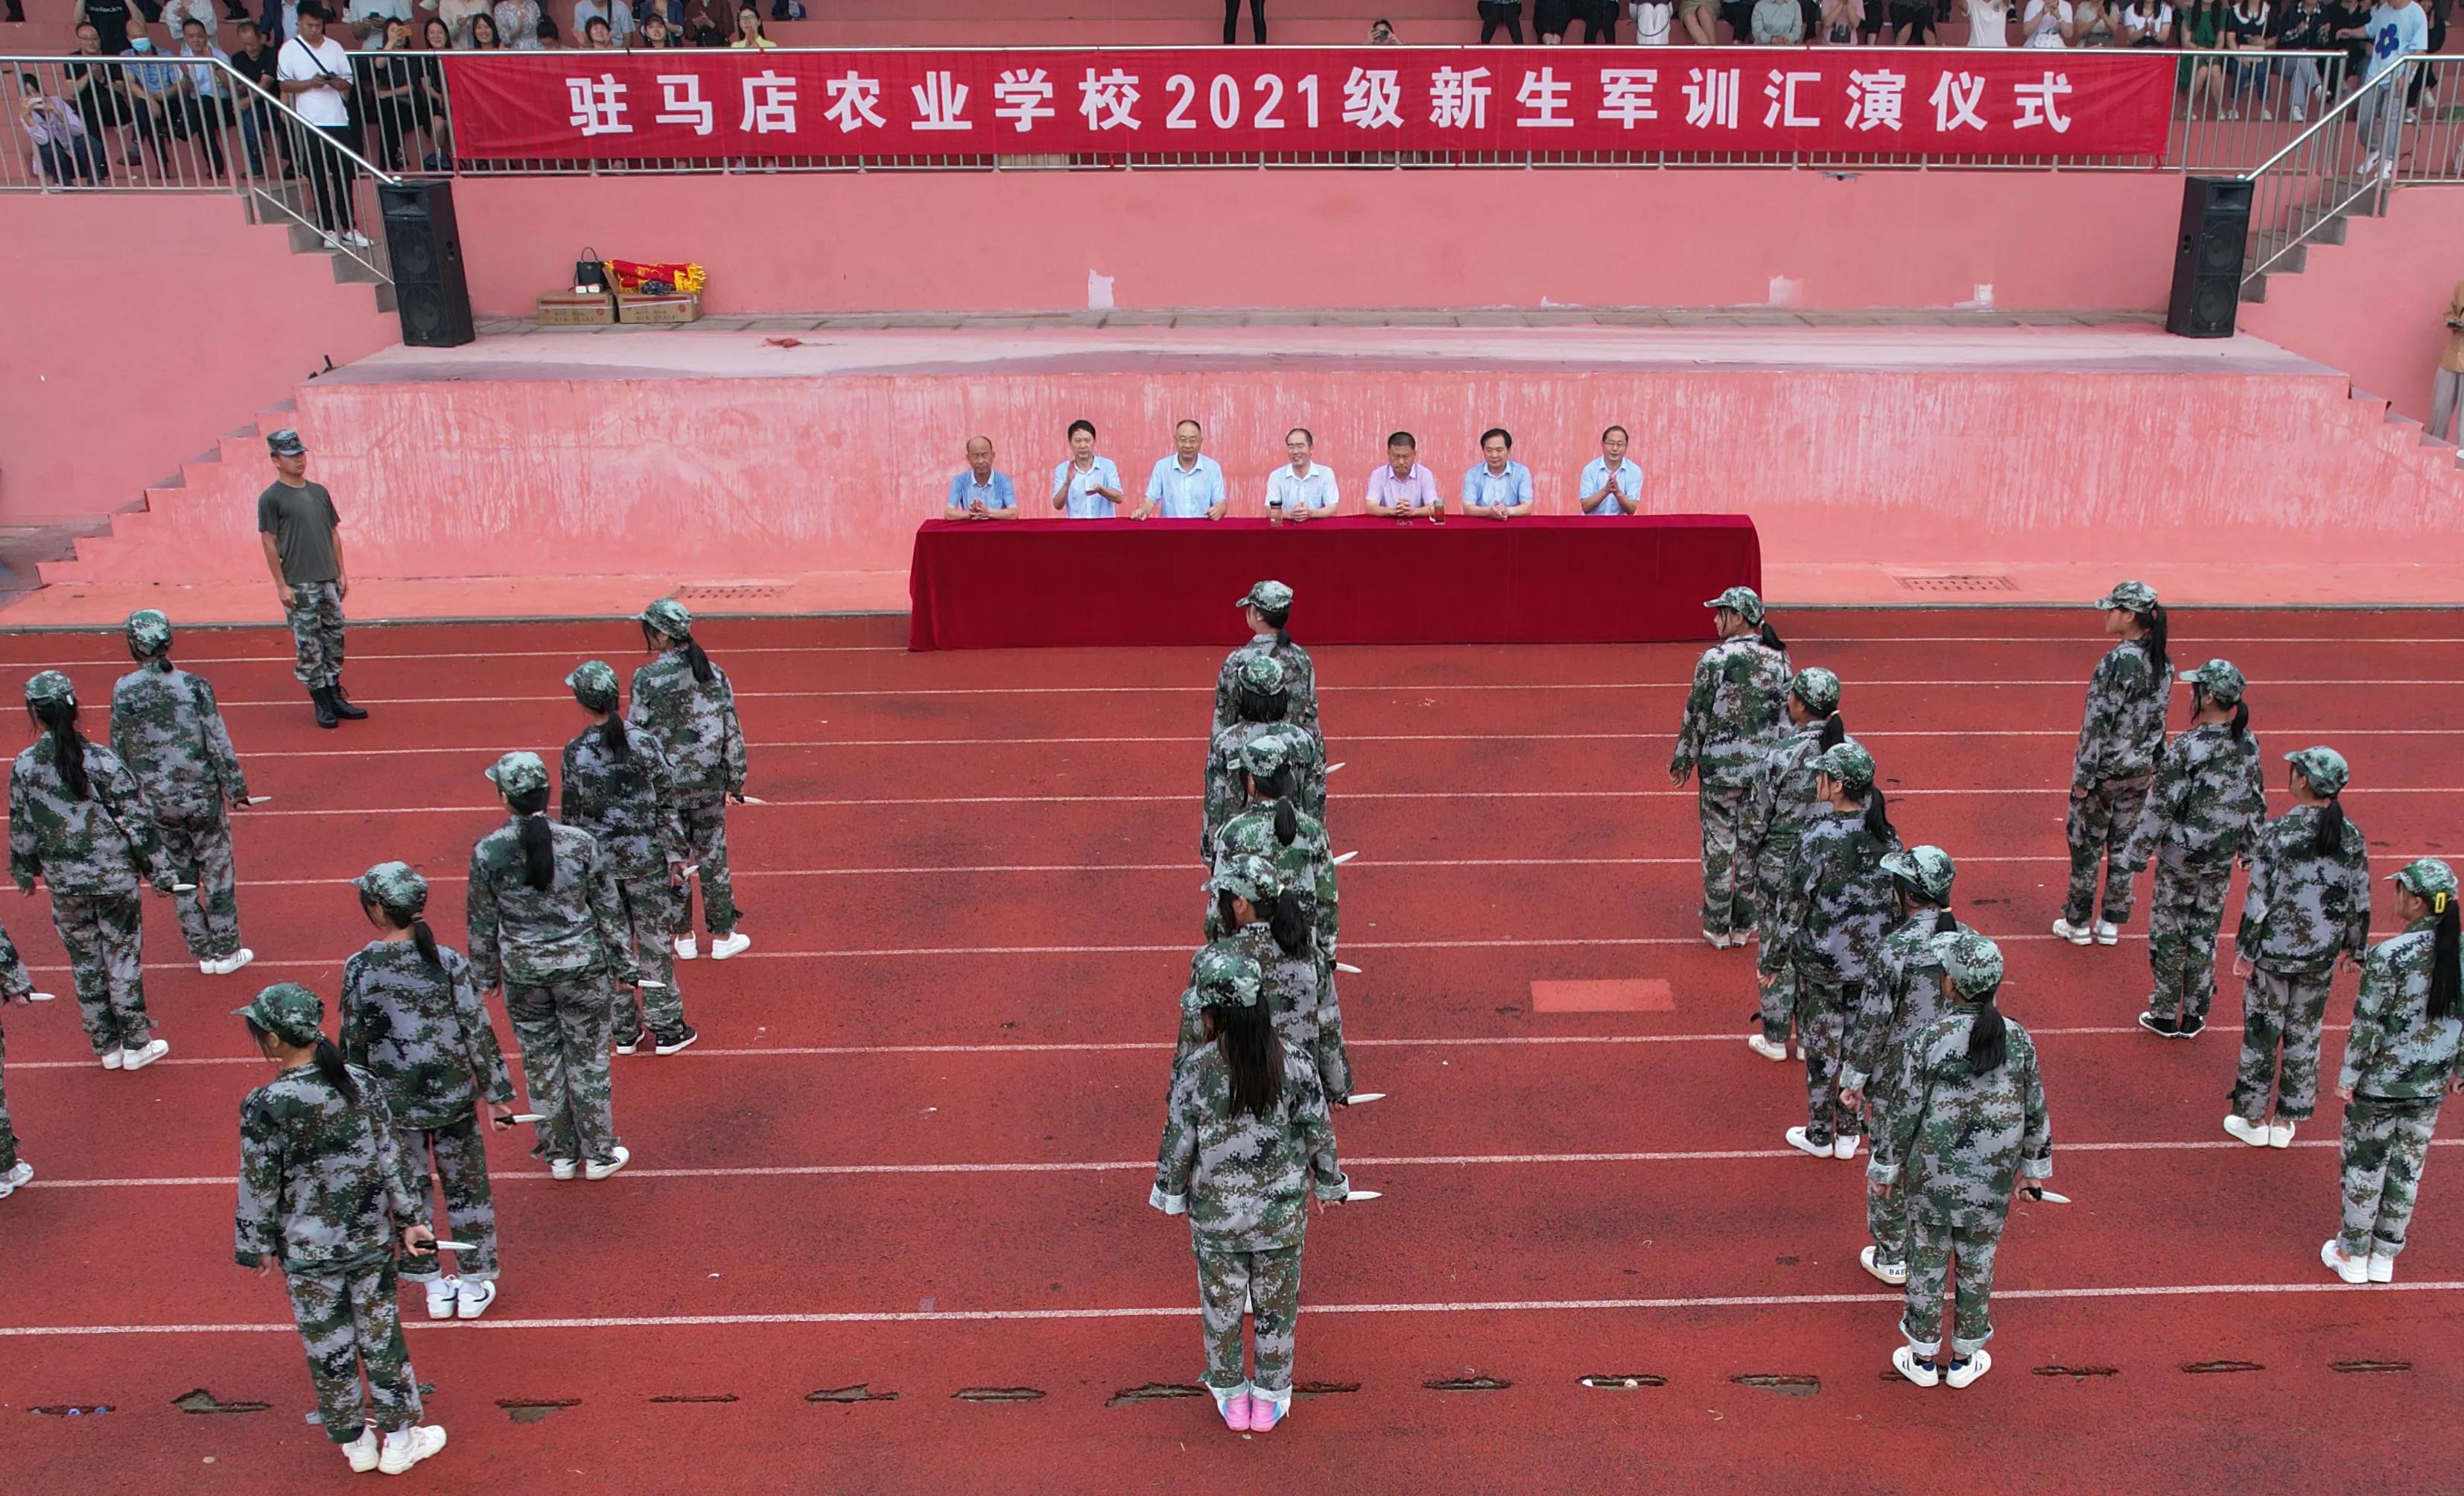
x=1803, y=1144
x=1719, y=942
x=475, y=1299
x=2076, y=935
x=362, y=1451
x=111, y=1059
x=2301, y=115
x=687, y=948
x=39, y=997
x=1905, y=1361
x=139, y=1058
x=2381, y=1267
x=595, y=1172
x=1766, y=1049
x=237, y=959
x=2107, y=933
x=2255, y=1133
x=1844, y=1146
x=408, y=1447
x=440, y=1297
x=211, y=967
x=333, y=240
x=14, y=1177
x=2352, y=1269
x=733, y=943
x=358, y=240
x=560, y=1168
x=1869, y=1258
x=1964, y=1375
x=2279, y=1135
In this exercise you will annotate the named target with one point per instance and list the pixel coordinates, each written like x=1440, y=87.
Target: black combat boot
x=343, y=707
x=323, y=697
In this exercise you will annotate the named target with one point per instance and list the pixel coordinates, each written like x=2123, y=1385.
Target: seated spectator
x=61, y=144
x=1652, y=21
x=748, y=30
x=109, y=19
x=1085, y=486
x=2051, y=23
x=701, y=26
x=595, y=35
x=1551, y=21
x=2092, y=23
x=105, y=101
x=1404, y=489
x=1381, y=33
x=654, y=32
x=457, y=16
x=1257, y=21
x=1777, y=23
x=1611, y=483
x=1701, y=19
x=258, y=121
x=547, y=37
x=2146, y=23
x=1600, y=18
x=175, y=14
x=2304, y=26
x=979, y=493
x=672, y=11
x=199, y=107
x=516, y=23
x=1188, y=484
x=1988, y=23
x=152, y=88
x=1911, y=22
x=618, y=15
x=483, y=35
x=1301, y=488
x=1496, y=13
x=364, y=22
x=1497, y=487
x=1837, y=22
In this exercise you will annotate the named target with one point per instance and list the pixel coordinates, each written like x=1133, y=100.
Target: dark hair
x=538, y=838
x=1185, y=421
x=153, y=662
x=1500, y=432
x=68, y=744
x=329, y=1059
x=2330, y=839
x=656, y=643
x=600, y=21
x=312, y=9
x=1287, y=917
x=29, y=81
x=435, y=21
x=1077, y=426
x=1254, y=1055
x=1265, y=706
x=1878, y=816
x=1280, y=787
x=1835, y=731
x=192, y=21
x=1306, y=434
x=2443, y=965
x=1619, y=430
x=482, y=19
x=1404, y=439
x=405, y=919
x=2201, y=698
x=1770, y=638
x=2152, y=639
x=1988, y=1036
x=620, y=745
x=1921, y=899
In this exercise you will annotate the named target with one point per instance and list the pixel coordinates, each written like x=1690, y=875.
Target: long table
x=1557, y=579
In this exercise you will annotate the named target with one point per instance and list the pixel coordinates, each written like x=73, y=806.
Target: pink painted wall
x=1028, y=240
x=2375, y=306
x=146, y=325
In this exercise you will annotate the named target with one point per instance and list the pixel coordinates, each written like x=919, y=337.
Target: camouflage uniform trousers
x=201, y=853
x=2386, y=1144
x=1271, y=1283
x=2280, y=1015
x=314, y=613
x=1776, y=989
x=2099, y=826
x=348, y=1321
x=1886, y=1213
x=651, y=908
x=2185, y=908
x=455, y=1158
x=1326, y=1046
x=703, y=821
x=1727, y=892
x=1822, y=1038
x=105, y=936
x=1932, y=1246
x=565, y=1031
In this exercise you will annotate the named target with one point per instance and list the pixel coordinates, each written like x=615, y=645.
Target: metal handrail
x=2304, y=190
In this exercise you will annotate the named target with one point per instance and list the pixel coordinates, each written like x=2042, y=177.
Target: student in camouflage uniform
x=683, y=704
x=2400, y=1062
x=1295, y=846
x=1259, y=917
x=546, y=925
x=413, y=1018
x=1735, y=714
x=2210, y=798
x=2121, y=733
x=323, y=1194
x=1844, y=901
x=617, y=787
x=77, y=821
x=1902, y=999
x=1262, y=704
x=1267, y=607
x=1777, y=810
x=1245, y=1139
x=165, y=727
x=2308, y=912
x=15, y=986
x=1968, y=1118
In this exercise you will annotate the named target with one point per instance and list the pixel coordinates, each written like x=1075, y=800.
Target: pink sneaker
x=1236, y=1413
x=1263, y=1414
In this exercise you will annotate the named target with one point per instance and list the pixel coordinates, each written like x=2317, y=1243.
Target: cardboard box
x=576, y=309
x=682, y=306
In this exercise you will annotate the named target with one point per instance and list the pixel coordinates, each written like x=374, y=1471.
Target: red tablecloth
x=1558, y=579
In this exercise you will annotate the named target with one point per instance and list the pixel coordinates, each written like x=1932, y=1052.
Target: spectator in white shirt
x=2048, y=23
x=177, y=12
x=1612, y=484
x=1988, y=23
x=1302, y=487
x=1085, y=486
x=456, y=15
x=1188, y=484
x=1497, y=487
x=1651, y=20
x=518, y=23
x=315, y=74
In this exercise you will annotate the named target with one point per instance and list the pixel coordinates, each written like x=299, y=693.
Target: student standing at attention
x=165, y=727
x=302, y=535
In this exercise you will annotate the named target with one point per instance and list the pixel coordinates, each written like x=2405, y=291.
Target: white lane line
x=1190, y=1311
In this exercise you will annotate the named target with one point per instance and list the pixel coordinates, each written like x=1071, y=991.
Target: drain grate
x=729, y=591
x=1974, y=581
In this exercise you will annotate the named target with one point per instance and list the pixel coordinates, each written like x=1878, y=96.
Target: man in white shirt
x=1188, y=484
x=315, y=74
x=1497, y=487
x=1611, y=483
x=1085, y=486
x=1301, y=489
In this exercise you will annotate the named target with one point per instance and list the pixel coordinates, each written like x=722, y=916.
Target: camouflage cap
x=2223, y=683
x=519, y=774
x=2427, y=878
x=594, y=685
x=286, y=443
x=669, y=617
x=149, y=631
x=1743, y=601
x=1252, y=878
x=2325, y=768
x=1817, y=687
x=1848, y=763
x=1266, y=755
x=1271, y=597
x=50, y=686
x=1972, y=962
x=394, y=885
x=1928, y=869
x=1225, y=978
x=1263, y=673
x=288, y=1011
x=2136, y=596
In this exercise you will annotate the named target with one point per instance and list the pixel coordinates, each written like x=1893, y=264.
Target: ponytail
x=538, y=837
x=1988, y=1038
x=2152, y=639
x=1283, y=637
x=658, y=643
x=1944, y=922
x=421, y=936
x=329, y=1065
x=1288, y=917
x=1265, y=706
x=68, y=744
x=2443, y=967
x=1254, y=1055
x=1771, y=640
x=1288, y=823
x=612, y=731
x=1878, y=816
x=1835, y=731
x=2240, y=720
x=2330, y=839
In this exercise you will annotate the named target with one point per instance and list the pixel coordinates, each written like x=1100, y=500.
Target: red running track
x=909, y=1154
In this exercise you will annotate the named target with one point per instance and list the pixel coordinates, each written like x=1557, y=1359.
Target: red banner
x=1165, y=103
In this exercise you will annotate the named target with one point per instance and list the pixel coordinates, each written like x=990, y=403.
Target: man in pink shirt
x=1404, y=489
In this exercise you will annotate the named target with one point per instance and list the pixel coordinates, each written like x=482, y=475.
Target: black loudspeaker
x=430, y=293
x=2208, y=261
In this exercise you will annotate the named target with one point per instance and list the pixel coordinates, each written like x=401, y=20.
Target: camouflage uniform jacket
x=1844, y=899
x=165, y=727
x=2302, y=909
x=105, y=844
x=1245, y=1179
x=1228, y=795
x=1300, y=684
x=2123, y=729
x=1288, y=983
x=423, y=1033
x=2209, y=797
x=694, y=724
x=536, y=938
x=1308, y=864
x=1902, y=999
x=2396, y=1051
x=1780, y=799
x=1963, y=1139
x=323, y=1183
x=626, y=805
x=1735, y=712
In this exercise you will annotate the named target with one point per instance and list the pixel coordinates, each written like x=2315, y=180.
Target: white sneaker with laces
x=1803, y=1144
x=2107, y=933
x=733, y=943
x=1958, y=1376
x=144, y=1055
x=407, y=1447
x=475, y=1299
x=2352, y=1269
x=2279, y=1135
x=440, y=1297
x=2381, y=1267
x=1844, y=1146
x=362, y=1451
x=1922, y=1373
x=2255, y=1133
x=1869, y=1260
x=332, y=240
x=16, y=1176
x=562, y=1168
x=595, y=1172
x=358, y=240
x=211, y=967
x=111, y=1059
x=2076, y=935
x=1766, y=1049
x=236, y=960
x=688, y=948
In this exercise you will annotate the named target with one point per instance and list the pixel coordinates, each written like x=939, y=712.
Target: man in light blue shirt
x=979, y=493
x=1611, y=483
x=1497, y=487
x=1188, y=484
x=1086, y=487
x=1301, y=489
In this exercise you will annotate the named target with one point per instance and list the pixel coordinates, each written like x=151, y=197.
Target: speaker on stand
x=2208, y=260
x=430, y=293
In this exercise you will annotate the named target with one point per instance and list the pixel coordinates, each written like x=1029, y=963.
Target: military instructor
x=303, y=549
